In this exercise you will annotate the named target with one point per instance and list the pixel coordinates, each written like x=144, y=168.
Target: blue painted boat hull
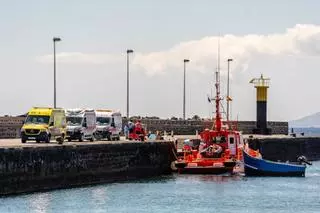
x=260, y=167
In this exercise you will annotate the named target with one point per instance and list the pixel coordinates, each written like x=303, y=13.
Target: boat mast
x=218, y=122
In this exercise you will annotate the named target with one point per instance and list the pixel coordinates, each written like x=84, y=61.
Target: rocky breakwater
x=27, y=169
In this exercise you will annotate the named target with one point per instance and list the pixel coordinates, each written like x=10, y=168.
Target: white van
x=109, y=124
x=81, y=124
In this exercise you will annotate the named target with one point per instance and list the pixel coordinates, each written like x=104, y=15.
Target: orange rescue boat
x=220, y=149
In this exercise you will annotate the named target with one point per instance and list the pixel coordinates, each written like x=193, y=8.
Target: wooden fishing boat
x=255, y=165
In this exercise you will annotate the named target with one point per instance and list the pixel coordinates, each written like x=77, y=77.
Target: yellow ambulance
x=44, y=124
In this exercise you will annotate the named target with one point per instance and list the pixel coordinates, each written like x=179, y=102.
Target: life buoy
x=216, y=149
x=212, y=150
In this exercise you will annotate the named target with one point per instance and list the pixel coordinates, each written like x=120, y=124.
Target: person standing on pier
x=126, y=131
x=130, y=126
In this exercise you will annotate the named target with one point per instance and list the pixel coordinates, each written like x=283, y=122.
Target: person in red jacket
x=139, y=130
x=138, y=127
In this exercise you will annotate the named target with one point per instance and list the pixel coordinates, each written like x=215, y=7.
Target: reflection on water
x=39, y=202
x=211, y=178
x=191, y=177
x=99, y=196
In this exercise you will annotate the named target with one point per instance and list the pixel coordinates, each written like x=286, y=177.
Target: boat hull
x=205, y=167
x=260, y=167
x=205, y=170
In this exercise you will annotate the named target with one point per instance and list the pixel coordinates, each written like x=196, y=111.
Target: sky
x=279, y=39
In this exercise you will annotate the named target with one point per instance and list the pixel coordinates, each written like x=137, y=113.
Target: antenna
x=219, y=55
x=218, y=122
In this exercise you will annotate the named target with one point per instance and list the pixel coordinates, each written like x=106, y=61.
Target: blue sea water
x=180, y=193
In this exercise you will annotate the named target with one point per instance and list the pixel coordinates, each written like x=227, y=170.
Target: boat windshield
x=37, y=119
x=219, y=139
x=103, y=121
x=74, y=121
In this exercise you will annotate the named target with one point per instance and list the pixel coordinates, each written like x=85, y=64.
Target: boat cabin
x=227, y=139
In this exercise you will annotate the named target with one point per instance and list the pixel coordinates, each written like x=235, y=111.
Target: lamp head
x=186, y=60
x=55, y=39
x=129, y=51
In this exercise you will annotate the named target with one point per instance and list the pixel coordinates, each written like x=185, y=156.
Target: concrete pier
x=32, y=167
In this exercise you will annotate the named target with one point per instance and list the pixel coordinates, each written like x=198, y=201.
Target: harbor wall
x=190, y=127
x=287, y=149
x=10, y=126
x=28, y=169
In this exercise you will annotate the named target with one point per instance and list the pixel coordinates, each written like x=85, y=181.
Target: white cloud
x=299, y=40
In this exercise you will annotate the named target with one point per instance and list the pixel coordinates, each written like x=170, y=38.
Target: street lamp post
x=55, y=39
x=128, y=52
x=228, y=95
x=184, y=87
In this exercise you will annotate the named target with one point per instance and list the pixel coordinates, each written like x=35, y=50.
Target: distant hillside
x=308, y=121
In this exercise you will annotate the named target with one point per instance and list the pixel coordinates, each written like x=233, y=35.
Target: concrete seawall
x=287, y=149
x=33, y=168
